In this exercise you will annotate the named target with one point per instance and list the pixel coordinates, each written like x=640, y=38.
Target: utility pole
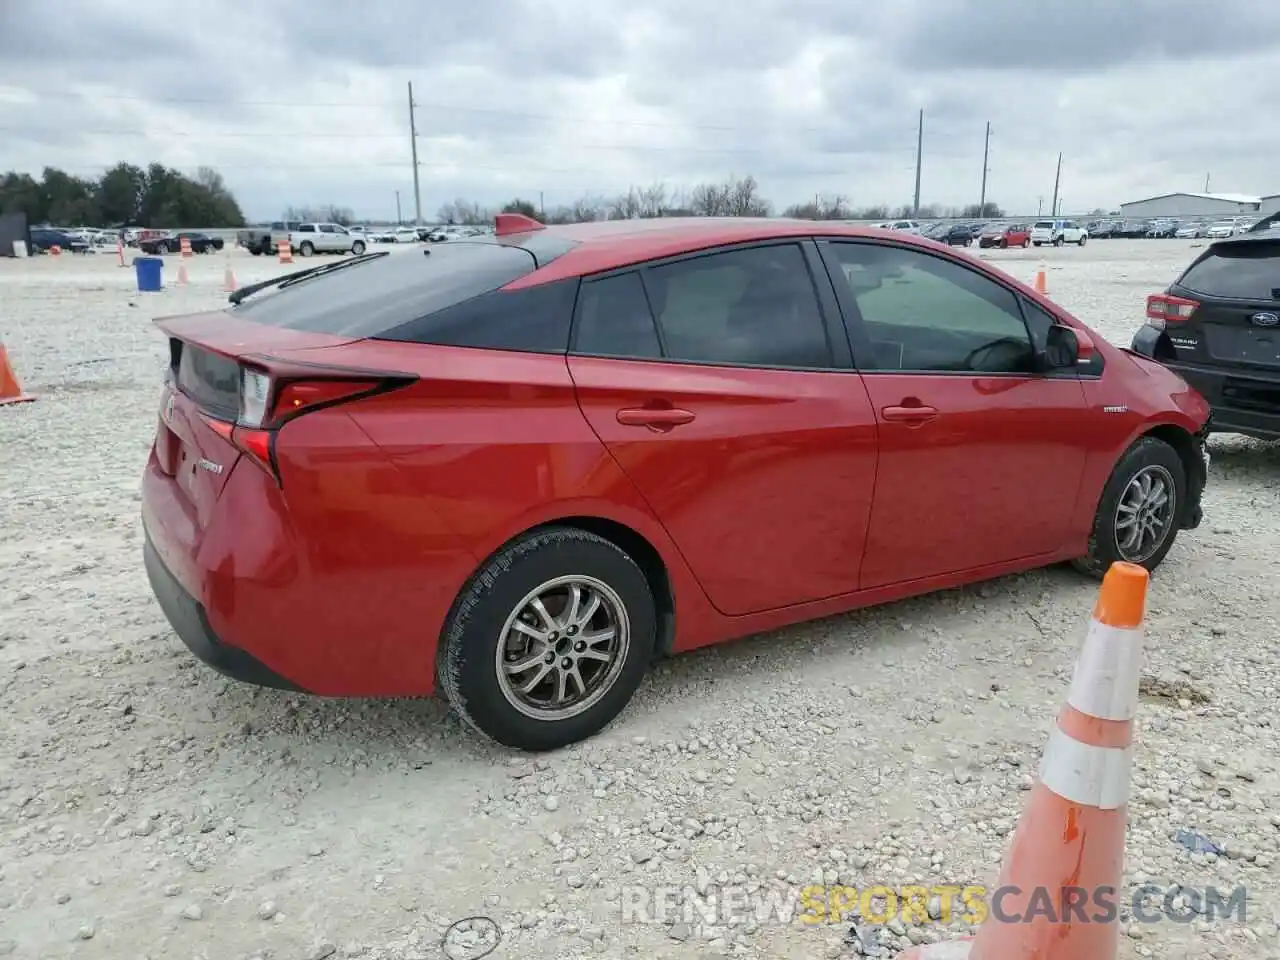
x=413, y=142
x=1040, y=207
x=542, y=207
x=919, y=157
x=1206, y=183
x=986, y=152
x=399, y=219
x=1057, y=177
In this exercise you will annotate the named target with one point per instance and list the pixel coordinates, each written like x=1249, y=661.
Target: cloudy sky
x=306, y=103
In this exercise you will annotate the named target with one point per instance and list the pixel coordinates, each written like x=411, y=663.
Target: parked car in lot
x=1218, y=327
x=44, y=239
x=172, y=243
x=517, y=469
x=1191, y=231
x=312, y=238
x=1008, y=235
x=265, y=240
x=1162, y=228
x=1220, y=229
x=1058, y=232
x=953, y=235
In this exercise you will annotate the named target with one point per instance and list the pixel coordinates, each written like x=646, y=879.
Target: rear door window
x=750, y=307
x=1241, y=271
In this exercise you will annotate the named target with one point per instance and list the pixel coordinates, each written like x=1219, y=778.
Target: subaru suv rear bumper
x=1242, y=402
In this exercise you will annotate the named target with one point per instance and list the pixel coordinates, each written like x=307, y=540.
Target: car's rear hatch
x=1236, y=285
x=297, y=329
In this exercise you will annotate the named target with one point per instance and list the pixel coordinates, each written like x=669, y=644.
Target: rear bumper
x=1222, y=390
x=189, y=622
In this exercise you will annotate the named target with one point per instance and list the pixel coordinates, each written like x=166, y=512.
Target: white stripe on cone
x=1085, y=774
x=1105, y=684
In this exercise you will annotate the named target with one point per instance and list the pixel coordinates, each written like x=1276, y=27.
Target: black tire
x=256, y=251
x=267, y=249
x=1083, y=238
x=1147, y=453
x=466, y=663
x=306, y=248
x=1058, y=241
x=1037, y=243
x=358, y=248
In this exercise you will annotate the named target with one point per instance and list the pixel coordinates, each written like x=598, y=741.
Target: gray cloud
x=527, y=97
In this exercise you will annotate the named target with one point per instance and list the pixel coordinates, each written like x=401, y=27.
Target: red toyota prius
x=517, y=469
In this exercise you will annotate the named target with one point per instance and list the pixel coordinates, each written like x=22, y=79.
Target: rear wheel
x=1140, y=510
x=358, y=247
x=307, y=248
x=548, y=643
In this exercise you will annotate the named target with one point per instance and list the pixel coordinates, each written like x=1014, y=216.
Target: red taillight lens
x=267, y=403
x=1164, y=309
x=295, y=397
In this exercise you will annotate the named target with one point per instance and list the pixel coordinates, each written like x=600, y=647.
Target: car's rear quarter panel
x=490, y=444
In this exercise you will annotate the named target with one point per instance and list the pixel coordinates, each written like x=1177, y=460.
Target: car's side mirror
x=1066, y=348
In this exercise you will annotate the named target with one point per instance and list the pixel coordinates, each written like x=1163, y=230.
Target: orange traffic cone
x=10, y=388
x=1068, y=850
x=1042, y=283
x=285, y=251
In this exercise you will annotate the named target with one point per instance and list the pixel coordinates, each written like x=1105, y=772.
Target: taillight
x=1162, y=309
x=267, y=403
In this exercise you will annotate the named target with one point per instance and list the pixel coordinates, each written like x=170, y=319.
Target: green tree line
x=154, y=196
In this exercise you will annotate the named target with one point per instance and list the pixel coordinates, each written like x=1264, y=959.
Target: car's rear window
x=1044, y=224
x=380, y=295
x=1237, y=271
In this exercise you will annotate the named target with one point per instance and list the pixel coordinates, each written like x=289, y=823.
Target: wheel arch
x=1184, y=445
x=646, y=556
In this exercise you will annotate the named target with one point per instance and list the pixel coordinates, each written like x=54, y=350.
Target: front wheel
x=1083, y=239
x=1140, y=511
x=1027, y=243
x=547, y=644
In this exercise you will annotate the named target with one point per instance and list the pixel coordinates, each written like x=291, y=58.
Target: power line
x=437, y=107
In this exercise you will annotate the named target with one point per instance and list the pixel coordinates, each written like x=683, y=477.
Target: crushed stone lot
x=150, y=808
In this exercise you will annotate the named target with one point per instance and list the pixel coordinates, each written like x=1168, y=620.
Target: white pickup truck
x=308, y=238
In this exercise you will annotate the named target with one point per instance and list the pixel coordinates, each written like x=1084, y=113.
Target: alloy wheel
x=1145, y=513
x=563, y=647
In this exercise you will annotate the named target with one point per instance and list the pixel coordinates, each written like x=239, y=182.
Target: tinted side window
x=928, y=314
x=753, y=307
x=1038, y=323
x=1247, y=271
x=409, y=298
x=614, y=319
x=532, y=319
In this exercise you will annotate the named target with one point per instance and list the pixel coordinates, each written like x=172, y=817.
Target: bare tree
x=321, y=213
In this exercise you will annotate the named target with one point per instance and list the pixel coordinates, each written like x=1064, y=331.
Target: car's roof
x=609, y=244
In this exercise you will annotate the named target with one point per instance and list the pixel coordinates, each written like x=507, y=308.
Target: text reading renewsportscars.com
x=927, y=904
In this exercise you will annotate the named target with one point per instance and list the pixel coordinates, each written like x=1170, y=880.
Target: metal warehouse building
x=1270, y=205
x=1193, y=205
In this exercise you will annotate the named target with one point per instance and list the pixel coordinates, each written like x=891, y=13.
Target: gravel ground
x=149, y=808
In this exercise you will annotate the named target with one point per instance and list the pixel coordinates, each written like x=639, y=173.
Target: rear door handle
x=657, y=417
x=919, y=414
